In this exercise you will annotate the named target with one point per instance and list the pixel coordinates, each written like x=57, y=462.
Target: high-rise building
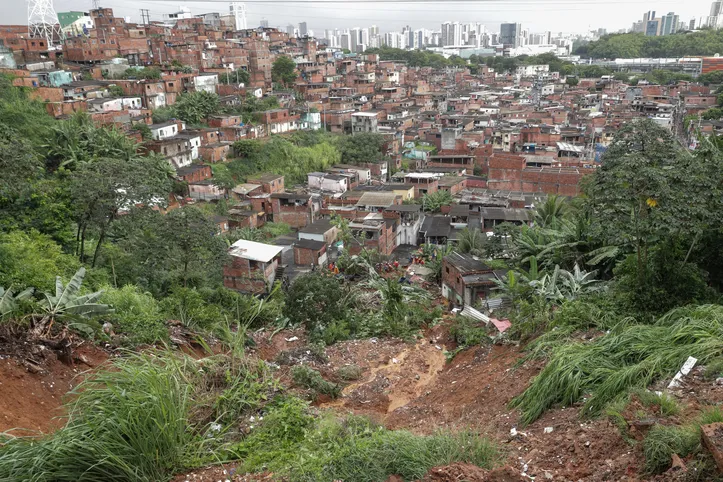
x=238, y=11
x=303, y=31
x=691, y=25
x=355, y=39
x=510, y=34
x=291, y=31
x=345, y=41
x=715, y=20
x=669, y=24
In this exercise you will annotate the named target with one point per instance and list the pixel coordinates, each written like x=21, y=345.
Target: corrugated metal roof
x=254, y=251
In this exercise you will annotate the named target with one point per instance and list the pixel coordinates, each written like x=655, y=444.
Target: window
x=446, y=269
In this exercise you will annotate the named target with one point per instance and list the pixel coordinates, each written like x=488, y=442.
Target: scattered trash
x=513, y=432
x=293, y=338
x=394, y=360
x=548, y=430
x=684, y=370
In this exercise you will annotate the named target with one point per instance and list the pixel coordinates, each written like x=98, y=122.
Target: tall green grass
x=143, y=418
x=629, y=356
x=127, y=423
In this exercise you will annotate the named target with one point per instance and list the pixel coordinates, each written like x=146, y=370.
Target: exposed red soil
x=31, y=394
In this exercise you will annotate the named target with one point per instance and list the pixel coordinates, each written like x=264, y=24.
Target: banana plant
x=67, y=305
x=9, y=300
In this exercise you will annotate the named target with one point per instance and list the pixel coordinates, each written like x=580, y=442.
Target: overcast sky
x=535, y=15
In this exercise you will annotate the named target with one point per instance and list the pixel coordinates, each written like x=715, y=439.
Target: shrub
x=349, y=372
x=137, y=314
x=188, y=306
x=320, y=303
x=33, y=260
x=311, y=379
x=714, y=369
x=468, y=332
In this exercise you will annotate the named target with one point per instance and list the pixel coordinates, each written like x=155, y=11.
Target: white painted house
x=165, y=130
x=328, y=182
x=105, y=104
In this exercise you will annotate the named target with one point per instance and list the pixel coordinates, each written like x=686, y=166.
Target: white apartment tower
x=238, y=11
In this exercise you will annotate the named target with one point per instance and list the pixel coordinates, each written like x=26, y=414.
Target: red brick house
x=308, y=252
x=252, y=267
x=465, y=280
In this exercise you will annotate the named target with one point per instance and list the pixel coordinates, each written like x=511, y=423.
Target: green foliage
x=195, y=107
x=137, y=315
x=298, y=448
x=144, y=130
x=280, y=156
x=714, y=369
x=417, y=58
x=238, y=76
x=125, y=423
x=433, y=202
x=637, y=45
x=319, y=302
x=572, y=81
x=28, y=117
x=76, y=142
x=471, y=241
x=664, y=404
x=115, y=90
x=30, y=259
x=283, y=71
x=164, y=114
x=308, y=378
x=630, y=356
x=363, y=147
x=9, y=301
x=467, y=332
x=662, y=442
x=188, y=306
x=144, y=73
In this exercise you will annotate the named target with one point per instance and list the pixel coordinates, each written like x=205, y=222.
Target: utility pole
x=145, y=16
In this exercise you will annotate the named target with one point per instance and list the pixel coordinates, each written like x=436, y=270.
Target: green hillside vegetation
x=636, y=45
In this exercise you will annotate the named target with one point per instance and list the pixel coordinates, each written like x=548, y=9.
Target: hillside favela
x=361, y=241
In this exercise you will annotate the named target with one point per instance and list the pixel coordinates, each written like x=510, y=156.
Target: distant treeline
x=636, y=45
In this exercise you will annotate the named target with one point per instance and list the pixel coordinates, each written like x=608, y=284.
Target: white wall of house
x=159, y=133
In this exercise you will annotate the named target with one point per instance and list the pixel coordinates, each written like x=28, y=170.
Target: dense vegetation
x=636, y=45
x=417, y=58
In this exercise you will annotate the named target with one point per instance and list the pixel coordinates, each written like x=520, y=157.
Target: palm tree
x=69, y=306
x=471, y=241
x=553, y=210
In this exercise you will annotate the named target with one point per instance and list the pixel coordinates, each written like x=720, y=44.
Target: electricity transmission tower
x=43, y=21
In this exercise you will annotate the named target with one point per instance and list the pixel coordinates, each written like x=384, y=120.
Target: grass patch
x=714, y=369
x=297, y=447
x=711, y=415
x=349, y=372
x=628, y=357
x=312, y=380
x=662, y=442
x=664, y=404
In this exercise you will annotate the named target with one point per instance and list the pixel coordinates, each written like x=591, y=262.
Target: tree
x=364, y=147
x=572, y=81
x=193, y=243
x=433, y=202
x=472, y=241
x=551, y=211
x=102, y=189
x=195, y=107
x=239, y=76
x=283, y=71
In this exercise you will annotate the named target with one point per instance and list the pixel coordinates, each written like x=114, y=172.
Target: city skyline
x=547, y=15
